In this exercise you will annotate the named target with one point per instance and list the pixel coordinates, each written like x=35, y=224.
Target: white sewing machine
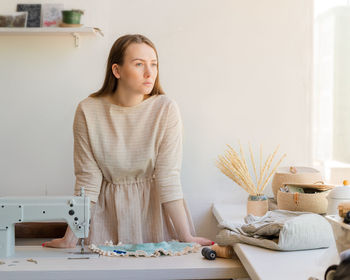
x=75, y=210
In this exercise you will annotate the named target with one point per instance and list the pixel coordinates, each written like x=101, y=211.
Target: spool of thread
x=208, y=253
x=223, y=251
x=345, y=255
x=347, y=218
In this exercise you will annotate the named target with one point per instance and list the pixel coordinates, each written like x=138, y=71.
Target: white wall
x=239, y=69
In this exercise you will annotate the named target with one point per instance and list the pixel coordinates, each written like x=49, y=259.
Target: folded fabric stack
x=280, y=230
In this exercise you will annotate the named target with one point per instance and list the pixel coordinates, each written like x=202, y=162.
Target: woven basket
x=294, y=175
x=305, y=202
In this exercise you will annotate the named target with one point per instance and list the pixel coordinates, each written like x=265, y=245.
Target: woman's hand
x=200, y=240
x=175, y=209
x=59, y=243
x=68, y=241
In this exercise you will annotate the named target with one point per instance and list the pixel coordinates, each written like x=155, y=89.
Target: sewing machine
x=75, y=210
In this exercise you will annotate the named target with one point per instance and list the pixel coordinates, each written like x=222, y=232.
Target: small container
x=257, y=205
x=336, y=196
x=71, y=16
x=343, y=209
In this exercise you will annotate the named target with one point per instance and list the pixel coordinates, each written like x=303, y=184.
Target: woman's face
x=139, y=70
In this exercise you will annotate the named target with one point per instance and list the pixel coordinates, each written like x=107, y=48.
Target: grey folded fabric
x=280, y=230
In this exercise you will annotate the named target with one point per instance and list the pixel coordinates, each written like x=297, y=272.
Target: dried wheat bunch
x=235, y=167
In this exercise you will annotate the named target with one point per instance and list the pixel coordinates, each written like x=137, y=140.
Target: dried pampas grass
x=235, y=167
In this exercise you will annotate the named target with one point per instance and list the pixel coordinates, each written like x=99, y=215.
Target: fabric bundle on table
x=171, y=248
x=280, y=230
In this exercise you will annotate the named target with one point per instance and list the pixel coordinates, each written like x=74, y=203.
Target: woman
x=128, y=153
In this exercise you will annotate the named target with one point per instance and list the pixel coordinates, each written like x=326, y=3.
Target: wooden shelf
x=74, y=31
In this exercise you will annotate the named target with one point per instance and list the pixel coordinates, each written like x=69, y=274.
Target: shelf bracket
x=76, y=39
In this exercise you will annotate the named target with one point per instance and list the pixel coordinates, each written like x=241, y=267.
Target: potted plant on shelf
x=71, y=18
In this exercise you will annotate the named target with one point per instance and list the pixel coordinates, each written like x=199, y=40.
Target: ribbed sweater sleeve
x=169, y=159
x=87, y=172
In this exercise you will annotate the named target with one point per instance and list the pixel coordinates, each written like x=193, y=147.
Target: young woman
x=128, y=153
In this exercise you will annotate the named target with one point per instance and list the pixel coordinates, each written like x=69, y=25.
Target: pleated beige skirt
x=130, y=212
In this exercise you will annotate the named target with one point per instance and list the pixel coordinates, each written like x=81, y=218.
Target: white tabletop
x=54, y=264
x=267, y=264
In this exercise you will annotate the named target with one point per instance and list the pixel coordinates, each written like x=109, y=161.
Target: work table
x=54, y=264
x=262, y=263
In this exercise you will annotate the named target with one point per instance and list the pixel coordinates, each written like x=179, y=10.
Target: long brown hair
x=116, y=55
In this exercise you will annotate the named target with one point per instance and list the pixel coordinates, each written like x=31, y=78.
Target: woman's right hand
x=68, y=241
x=59, y=243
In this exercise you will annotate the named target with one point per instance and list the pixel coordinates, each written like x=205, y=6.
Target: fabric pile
x=280, y=230
x=171, y=248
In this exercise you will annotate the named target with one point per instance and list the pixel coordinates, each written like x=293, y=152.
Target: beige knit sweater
x=129, y=161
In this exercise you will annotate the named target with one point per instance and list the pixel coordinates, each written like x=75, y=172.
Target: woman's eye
x=154, y=64
x=138, y=64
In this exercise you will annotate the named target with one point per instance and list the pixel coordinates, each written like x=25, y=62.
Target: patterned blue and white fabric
x=171, y=248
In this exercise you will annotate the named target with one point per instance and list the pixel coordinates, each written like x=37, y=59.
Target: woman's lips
x=147, y=84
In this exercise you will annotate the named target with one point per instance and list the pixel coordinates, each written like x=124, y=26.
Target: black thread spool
x=208, y=253
x=347, y=218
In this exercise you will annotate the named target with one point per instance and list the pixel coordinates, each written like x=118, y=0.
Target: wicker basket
x=294, y=175
x=305, y=202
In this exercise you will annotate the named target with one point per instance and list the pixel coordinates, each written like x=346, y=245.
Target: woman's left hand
x=200, y=240
x=176, y=210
